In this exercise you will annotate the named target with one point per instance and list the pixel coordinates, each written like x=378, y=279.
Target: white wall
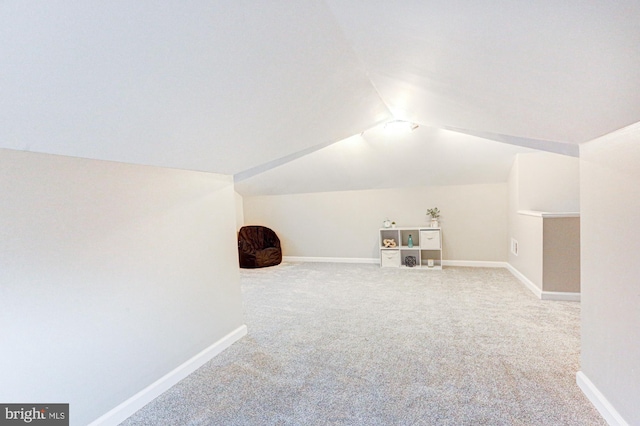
x=111, y=275
x=239, y=211
x=345, y=224
x=548, y=182
x=610, y=197
x=539, y=181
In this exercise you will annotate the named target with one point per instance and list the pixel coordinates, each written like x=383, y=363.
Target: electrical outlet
x=514, y=246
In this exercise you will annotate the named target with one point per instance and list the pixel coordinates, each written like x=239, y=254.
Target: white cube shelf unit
x=427, y=247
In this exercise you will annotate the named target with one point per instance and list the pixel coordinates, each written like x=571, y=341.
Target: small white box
x=390, y=258
x=430, y=239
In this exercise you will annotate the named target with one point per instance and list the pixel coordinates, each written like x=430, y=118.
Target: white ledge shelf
x=548, y=214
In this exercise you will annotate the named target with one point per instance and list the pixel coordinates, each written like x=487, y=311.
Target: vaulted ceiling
x=278, y=89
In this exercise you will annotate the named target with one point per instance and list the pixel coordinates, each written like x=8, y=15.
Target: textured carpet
x=360, y=345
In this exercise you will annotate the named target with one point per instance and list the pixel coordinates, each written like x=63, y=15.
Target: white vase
x=434, y=223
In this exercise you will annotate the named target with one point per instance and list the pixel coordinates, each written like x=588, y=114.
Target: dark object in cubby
x=410, y=261
x=258, y=246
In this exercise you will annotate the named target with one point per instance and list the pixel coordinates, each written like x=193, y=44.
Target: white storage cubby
x=426, y=249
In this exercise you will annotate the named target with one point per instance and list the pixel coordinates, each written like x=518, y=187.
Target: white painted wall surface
x=549, y=182
x=239, y=210
x=610, y=197
x=528, y=231
x=539, y=181
x=346, y=223
x=111, y=275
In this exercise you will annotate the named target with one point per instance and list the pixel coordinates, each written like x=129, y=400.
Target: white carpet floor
x=349, y=344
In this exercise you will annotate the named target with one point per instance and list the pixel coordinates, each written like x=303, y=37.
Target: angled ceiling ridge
x=246, y=174
x=261, y=168
x=563, y=148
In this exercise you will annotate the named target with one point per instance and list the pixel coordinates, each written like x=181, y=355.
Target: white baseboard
x=543, y=295
x=526, y=281
x=331, y=259
x=474, y=263
x=471, y=263
x=599, y=401
x=120, y=413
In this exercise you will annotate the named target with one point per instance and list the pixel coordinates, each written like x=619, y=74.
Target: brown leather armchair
x=258, y=246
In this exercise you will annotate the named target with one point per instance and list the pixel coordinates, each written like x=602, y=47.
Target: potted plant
x=393, y=224
x=435, y=216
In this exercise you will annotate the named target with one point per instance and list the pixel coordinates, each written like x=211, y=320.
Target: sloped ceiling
x=245, y=87
x=564, y=71
x=205, y=85
x=380, y=159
